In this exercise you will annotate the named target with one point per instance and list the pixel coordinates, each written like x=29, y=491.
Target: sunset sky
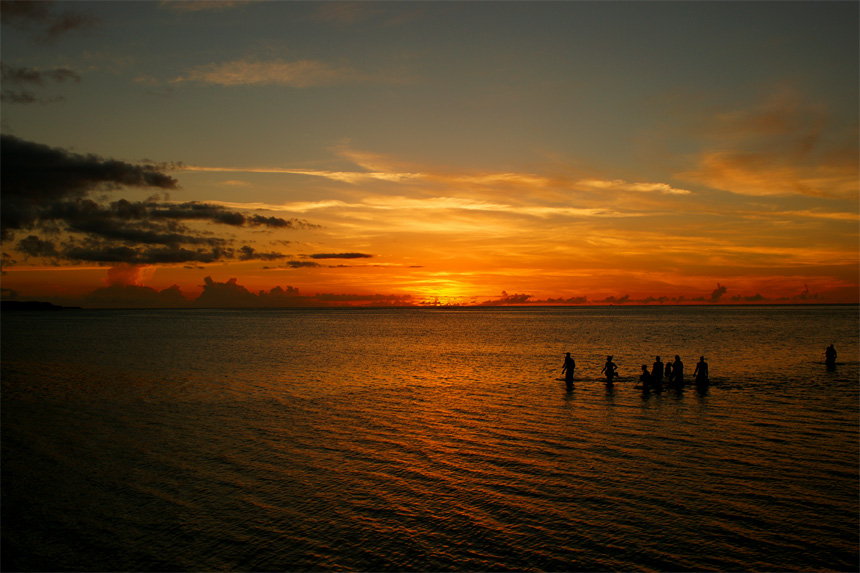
x=280, y=153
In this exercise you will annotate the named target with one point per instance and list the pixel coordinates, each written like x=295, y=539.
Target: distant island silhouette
x=6, y=305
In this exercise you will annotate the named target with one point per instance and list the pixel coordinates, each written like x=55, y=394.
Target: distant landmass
x=31, y=305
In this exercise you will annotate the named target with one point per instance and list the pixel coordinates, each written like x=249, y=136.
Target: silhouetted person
x=701, y=371
x=668, y=372
x=657, y=371
x=610, y=369
x=645, y=377
x=830, y=356
x=678, y=371
x=567, y=369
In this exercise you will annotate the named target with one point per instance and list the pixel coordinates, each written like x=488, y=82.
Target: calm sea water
x=428, y=439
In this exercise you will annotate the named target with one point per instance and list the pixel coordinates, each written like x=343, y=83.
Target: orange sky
x=532, y=153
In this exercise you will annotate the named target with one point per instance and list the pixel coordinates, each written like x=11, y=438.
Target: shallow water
x=428, y=439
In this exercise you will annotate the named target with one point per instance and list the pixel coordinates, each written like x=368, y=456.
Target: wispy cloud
x=186, y=6
x=22, y=76
x=764, y=174
x=639, y=187
x=342, y=176
x=40, y=19
x=296, y=74
x=413, y=204
x=783, y=145
x=477, y=179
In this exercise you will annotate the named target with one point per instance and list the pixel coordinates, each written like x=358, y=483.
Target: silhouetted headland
x=8, y=305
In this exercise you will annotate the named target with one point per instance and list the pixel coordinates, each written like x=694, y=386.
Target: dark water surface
x=428, y=439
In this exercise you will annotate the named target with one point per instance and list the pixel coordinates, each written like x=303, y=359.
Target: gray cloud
x=36, y=178
x=31, y=77
x=39, y=19
x=340, y=256
x=14, y=75
x=35, y=247
x=47, y=190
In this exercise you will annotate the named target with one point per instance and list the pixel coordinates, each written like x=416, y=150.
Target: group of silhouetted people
x=673, y=372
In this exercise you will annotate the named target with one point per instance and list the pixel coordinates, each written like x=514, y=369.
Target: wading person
x=678, y=371
x=645, y=378
x=657, y=371
x=567, y=369
x=701, y=371
x=830, y=356
x=610, y=369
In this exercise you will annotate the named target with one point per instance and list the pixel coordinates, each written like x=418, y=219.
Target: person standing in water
x=645, y=378
x=830, y=356
x=678, y=371
x=567, y=369
x=701, y=371
x=657, y=371
x=610, y=369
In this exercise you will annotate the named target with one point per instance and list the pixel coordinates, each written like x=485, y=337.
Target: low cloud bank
x=124, y=290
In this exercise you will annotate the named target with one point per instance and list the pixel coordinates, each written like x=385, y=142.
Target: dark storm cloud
x=39, y=18
x=340, y=256
x=46, y=189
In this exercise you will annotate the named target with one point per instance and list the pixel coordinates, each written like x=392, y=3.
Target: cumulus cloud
x=47, y=190
x=718, y=292
x=231, y=294
x=135, y=296
x=507, y=299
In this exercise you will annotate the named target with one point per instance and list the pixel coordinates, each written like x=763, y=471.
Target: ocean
x=429, y=439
